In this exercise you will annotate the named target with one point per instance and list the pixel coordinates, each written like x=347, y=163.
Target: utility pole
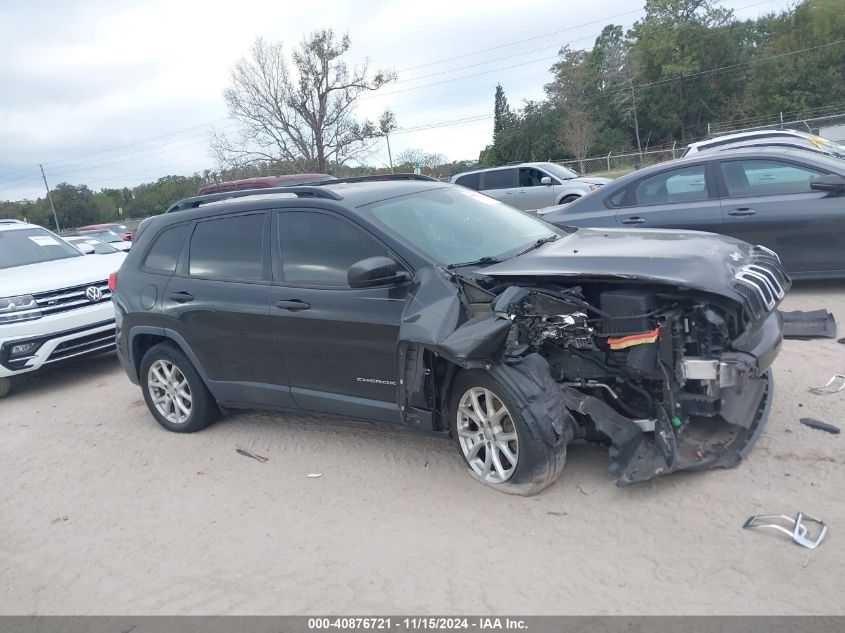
x=50, y=198
x=636, y=121
x=389, y=155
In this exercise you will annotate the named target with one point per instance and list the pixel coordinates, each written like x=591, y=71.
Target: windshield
x=561, y=172
x=106, y=236
x=100, y=247
x=21, y=247
x=455, y=225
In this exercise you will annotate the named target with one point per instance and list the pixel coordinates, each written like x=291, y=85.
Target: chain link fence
x=828, y=122
x=613, y=165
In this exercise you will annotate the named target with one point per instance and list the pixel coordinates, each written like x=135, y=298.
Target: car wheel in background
x=5, y=387
x=175, y=393
x=493, y=434
x=568, y=199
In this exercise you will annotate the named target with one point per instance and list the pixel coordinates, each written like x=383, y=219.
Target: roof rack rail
x=11, y=221
x=375, y=178
x=302, y=191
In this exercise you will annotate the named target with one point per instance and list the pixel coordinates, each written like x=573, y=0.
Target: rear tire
x=500, y=449
x=174, y=391
x=5, y=387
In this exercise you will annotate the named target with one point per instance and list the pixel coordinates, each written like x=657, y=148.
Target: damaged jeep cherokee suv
x=438, y=308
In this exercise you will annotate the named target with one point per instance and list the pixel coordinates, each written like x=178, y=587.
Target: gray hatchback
x=789, y=200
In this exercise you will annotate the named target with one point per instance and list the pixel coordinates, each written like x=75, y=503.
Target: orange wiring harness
x=633, y=339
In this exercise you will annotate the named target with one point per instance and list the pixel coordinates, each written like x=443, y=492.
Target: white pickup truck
x=55, y=301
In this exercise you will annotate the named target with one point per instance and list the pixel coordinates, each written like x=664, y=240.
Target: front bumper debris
x=637, y=454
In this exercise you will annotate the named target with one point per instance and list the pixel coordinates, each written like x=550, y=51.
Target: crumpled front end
x=668, y=377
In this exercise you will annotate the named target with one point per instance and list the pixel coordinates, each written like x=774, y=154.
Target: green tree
x=806, y=80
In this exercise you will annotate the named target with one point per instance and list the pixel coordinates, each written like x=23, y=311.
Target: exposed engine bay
x=669, y=378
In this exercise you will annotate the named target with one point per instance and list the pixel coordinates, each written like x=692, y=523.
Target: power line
x=514, y=43
x=154, y=138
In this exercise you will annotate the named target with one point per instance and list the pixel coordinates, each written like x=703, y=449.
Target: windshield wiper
x=484, y=260
x=538, y=243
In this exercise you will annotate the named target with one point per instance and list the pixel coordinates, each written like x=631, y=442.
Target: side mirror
x=375, y=271
x=546, y=180
x=85, y=249
x=828, y=182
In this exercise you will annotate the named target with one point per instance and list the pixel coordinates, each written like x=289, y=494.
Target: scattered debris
x=584, y=492
x=821, y=426
x=834, y=385
x=60, y=519
x=314, y=475
x=805, y=325
x=246, y=453
x=557, y=514
x=797, y=530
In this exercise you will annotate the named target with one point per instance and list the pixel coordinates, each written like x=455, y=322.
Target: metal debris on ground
x=246, y=453
x=806, y=325
x=834, y=385
x=314, y=475
x=794, y=528
x=821, y=426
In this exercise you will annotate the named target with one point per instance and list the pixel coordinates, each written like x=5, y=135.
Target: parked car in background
x=97, y=246
x=106, y=235
x=529, y=186
x=792, y=139
x=122, y=230
x=790, y=201
x=432, y=306
x=265, y=182
x=55, y=302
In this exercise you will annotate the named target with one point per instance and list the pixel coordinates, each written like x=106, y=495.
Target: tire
x=5, y=387
x=568, y=199
x=538, y=463
x=181, y=393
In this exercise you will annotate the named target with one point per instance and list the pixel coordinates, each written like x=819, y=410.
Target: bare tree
x=302, y=111
x=413, y=155
x=576, y=134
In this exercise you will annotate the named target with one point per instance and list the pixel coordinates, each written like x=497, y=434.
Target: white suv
x=55, y=302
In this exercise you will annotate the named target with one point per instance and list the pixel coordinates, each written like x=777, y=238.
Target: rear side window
x=471, y=181
x=669, y=187
x=164, y=254
x=500, y=179
x=229, y=248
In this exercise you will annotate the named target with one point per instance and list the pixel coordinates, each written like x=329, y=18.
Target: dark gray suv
x=437, y=308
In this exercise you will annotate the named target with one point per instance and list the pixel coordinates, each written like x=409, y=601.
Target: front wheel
x=497, y=446
x=175, y=393
x=5, y=387
x=568, y=199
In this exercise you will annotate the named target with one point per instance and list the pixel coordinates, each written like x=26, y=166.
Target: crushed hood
x=690, y=259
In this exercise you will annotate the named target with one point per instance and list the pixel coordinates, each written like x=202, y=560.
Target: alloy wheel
x=487, y=435
x=170, y=391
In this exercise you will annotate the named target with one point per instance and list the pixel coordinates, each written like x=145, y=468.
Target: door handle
x=634, y=219
x=741, y=211
x=293, y=305
x=511, y=192
x=181, y=296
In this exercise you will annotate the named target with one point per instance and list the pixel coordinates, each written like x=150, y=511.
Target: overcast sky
x=117, y=93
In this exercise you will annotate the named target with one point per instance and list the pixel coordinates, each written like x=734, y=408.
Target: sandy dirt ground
x=104, y=512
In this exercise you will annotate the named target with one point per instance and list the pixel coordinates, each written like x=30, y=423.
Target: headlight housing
x=21, y=308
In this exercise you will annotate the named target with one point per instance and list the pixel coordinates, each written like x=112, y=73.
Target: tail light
x=112, y=281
